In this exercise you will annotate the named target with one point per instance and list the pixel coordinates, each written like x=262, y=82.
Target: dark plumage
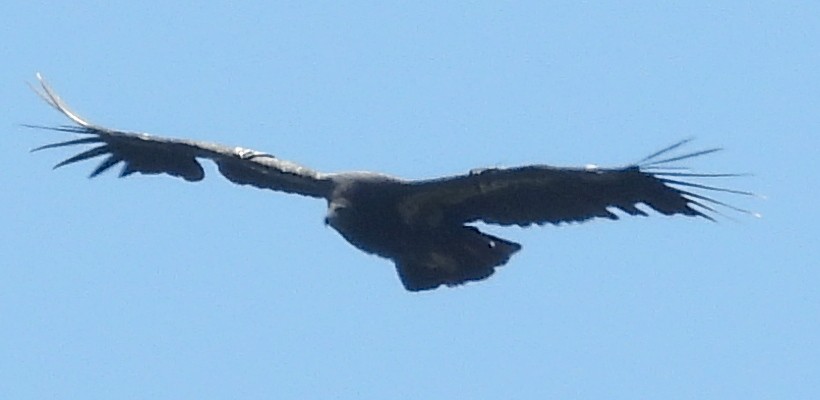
x=423, y=226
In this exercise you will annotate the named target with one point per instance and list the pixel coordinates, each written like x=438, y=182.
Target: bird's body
x=428, y=249
x=423, y=226
x=361, y=208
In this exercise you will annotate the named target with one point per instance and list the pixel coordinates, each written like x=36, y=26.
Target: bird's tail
x=453, y=258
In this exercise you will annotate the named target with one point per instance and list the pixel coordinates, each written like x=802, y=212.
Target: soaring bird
x=423, y=226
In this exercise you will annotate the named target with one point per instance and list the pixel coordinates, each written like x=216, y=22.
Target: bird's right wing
x=148, y=154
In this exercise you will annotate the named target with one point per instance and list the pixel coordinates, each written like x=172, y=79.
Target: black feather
x=421, y=225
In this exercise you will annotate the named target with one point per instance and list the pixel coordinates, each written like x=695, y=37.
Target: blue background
x=154, y=288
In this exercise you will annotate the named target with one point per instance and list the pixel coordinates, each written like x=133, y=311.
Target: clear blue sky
x=150, y=287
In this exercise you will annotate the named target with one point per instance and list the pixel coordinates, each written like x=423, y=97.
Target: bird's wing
x=539, y=194
x=148, y=154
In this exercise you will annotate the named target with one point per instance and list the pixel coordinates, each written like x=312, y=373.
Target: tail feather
x=453, y=258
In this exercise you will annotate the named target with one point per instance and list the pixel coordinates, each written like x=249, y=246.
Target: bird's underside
x=424, y=225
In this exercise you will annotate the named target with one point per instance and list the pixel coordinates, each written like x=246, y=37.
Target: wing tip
x=50, y=96
x=680, y=180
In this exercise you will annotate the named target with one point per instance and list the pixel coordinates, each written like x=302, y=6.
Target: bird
x=426, y=227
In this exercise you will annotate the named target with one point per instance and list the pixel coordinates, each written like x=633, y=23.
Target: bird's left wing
x=539, y=194
x=148, y=154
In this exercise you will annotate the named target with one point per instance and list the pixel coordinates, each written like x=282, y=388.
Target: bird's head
x=336, y=211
